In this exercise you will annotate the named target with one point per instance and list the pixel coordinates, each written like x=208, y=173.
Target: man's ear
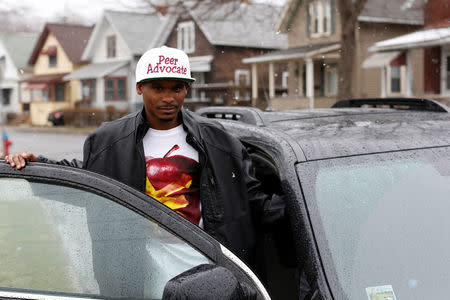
x=187, y=85
x=139, y=88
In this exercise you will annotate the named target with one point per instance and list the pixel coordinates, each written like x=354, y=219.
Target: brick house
x=57, y=52
x=216, y=40
x=433, y=41
x=314, y=32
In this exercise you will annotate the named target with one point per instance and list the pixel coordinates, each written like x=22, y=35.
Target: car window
x=385, y=221
x=72, y=241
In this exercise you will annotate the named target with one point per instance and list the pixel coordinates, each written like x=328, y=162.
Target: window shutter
x=322, y=79
x=332, y=14
x=308, y=20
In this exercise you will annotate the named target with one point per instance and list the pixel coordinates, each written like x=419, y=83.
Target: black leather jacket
x=229, y=192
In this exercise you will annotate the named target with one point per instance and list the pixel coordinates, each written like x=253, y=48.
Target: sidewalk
x=51, y=129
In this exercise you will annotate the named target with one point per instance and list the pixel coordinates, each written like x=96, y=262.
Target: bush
x=90, y=116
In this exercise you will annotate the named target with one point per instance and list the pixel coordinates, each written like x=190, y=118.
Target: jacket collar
x=188, y=119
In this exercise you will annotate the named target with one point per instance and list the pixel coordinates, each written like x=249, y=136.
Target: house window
x=242, y=83
x=111, y=46
x=60, y=91
x=284, y=79
x=115, y=89
x=186, y=36
x=6, y=96
x=88, y=90
x=395, y=79
x=331, y=80
x=52, y=60
x=320, y=18
x=193, y=93
x=2, y=66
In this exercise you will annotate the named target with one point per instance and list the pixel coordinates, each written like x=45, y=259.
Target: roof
x=96, y=70
x=72, y=38
x=328, y=133
x=393, y=11
x=377, y=11
x=140, y=31
x=422, y=38
x=293, y=53
x=241, y=25
x=19, y=46
x=45, y=78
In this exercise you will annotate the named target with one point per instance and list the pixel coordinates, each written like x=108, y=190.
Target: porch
x=310, y=79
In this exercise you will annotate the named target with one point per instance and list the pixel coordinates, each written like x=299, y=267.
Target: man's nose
x=168, y=96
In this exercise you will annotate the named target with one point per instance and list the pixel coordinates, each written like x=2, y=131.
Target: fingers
x=18, y=160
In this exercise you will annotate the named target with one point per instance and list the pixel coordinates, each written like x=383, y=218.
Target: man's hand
x=18, y=160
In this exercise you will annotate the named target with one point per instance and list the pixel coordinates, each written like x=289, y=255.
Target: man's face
x=163, y=99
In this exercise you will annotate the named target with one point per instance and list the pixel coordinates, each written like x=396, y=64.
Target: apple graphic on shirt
x=169, y=180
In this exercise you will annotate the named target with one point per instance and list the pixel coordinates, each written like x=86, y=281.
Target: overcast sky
x=90, y=9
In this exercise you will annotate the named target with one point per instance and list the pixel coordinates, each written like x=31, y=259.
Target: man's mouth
x=168, y=108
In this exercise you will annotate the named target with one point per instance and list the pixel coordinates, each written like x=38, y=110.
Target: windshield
x=385, y=222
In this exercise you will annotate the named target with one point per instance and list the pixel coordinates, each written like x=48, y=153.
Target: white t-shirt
x=173, y=171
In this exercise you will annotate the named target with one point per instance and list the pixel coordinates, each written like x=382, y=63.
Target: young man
x=185, y=161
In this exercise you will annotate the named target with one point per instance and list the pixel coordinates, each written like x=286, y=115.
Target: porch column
x=409, y=74
x=310, y=81
x=271, y=81
x=383, y=72
x=300, y=79
x=254, y=84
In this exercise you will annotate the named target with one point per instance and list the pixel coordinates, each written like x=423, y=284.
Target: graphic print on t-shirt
x=171, y=179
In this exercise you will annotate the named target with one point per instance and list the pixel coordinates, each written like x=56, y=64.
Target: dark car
x=367, y=189
x=367, y=195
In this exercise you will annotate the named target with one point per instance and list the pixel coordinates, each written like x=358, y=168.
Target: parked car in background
x=366, y=190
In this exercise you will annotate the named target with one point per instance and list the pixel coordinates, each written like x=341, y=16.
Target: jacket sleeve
x=265, y=208
x=76, y=163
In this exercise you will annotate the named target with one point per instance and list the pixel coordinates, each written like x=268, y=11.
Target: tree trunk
x=348, y=12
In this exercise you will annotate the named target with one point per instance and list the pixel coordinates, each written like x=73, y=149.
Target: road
x=57, y=144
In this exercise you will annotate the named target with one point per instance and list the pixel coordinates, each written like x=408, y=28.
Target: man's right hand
x=19, y=160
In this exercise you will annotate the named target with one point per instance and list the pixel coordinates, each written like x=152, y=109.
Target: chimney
x=244, y=2
x=162, y=9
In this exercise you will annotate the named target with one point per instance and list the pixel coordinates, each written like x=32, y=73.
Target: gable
x=72, y=38
x=96, y=51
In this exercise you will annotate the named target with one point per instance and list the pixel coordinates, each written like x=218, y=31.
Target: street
x=57, y=143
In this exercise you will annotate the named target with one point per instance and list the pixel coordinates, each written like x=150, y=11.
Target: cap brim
x=188, y=80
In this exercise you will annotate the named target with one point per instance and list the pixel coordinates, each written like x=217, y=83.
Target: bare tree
x=349, y=11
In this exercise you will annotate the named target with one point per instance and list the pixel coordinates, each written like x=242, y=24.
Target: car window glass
x=383, y=214
x=67, y=240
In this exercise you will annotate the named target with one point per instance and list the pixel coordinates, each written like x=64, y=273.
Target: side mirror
x=207, y=282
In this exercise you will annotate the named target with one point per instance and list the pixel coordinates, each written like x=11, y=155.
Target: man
x=185, y=161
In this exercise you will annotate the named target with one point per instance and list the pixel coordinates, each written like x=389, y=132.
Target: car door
x=68, y=233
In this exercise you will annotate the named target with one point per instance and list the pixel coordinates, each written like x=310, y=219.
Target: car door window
x=72, y=241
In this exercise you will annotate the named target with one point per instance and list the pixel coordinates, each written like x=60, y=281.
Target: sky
x=89, y=9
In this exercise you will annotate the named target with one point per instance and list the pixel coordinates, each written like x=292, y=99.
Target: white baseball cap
x=163, y=63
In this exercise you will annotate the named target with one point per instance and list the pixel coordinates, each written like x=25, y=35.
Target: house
x=217, y=36
x=57, y=53
x=15, y=49
x=116, y=43
x=433, y=41
x=314, y=33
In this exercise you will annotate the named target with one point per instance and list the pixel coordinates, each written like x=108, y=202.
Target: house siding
x=63, y=63
x=298, y=35
x=100, y=54
x=368, y=81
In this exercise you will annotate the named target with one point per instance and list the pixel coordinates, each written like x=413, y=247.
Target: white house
x=15, y=49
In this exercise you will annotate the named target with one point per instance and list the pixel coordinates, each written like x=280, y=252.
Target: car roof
x=340, y=132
